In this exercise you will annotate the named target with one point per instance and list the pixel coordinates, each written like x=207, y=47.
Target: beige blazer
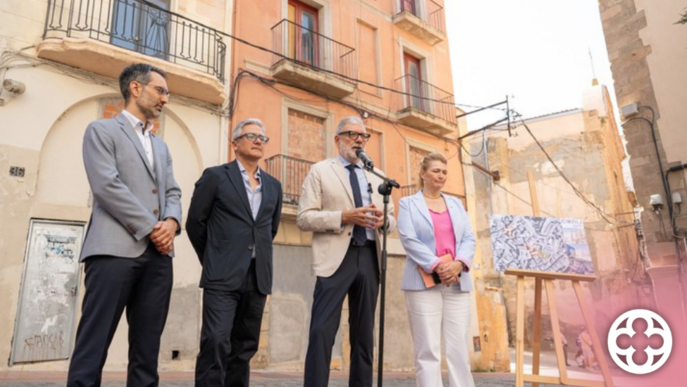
x=326, y=193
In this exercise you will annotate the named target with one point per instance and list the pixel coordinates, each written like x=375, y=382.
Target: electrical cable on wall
x=606, y=217
x=271, y=83
x=17, y=60
x=284, y=57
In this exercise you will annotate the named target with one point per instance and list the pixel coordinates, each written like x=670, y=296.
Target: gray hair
x=239, y=127
x=355, y=120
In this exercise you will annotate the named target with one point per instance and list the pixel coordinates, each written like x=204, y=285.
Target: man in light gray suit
x=129, y=247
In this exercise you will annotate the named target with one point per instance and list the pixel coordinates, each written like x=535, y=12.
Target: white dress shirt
x=254, y=195
x=143, y=133
x=365, y=190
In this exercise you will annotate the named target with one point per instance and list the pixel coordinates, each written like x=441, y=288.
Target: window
x=303, y=32
x=368, y=56
x=375, y=147
x=413, y=81
x=408, y=6
x=139, y=27
x=307, y=136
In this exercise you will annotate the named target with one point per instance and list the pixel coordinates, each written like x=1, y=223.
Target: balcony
x=422, y=19
x=291, y=172
x=104, y=36
x=425, y=107
x=409, y=190
x=304, y=53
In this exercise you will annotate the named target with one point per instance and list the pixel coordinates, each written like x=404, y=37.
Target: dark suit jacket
x=221, y=228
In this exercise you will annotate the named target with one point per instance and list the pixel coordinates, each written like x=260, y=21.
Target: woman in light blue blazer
x=432, y=225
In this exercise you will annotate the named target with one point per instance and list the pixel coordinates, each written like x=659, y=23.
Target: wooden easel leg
x=600, y=357
x=520, y=335
x=556, y=328
x=536, y=329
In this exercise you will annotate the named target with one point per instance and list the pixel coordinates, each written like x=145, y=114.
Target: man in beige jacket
x=338, y=204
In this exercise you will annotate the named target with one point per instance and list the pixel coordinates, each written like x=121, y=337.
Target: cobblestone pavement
x=258, y=379
x=295, y=379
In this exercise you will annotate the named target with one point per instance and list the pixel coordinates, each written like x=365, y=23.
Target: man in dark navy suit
x=233, y=218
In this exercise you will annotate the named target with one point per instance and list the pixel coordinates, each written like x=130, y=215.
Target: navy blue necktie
x=359, y=234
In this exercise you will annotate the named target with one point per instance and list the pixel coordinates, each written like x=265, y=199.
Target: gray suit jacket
x=129, y=197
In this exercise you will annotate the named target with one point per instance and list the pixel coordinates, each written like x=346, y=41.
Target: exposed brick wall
x=307, y=136
x=111, y=107
x=416, y=155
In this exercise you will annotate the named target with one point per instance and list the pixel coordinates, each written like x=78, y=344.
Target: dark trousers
x=143, y=286
x=357, y=277
x=230, y=334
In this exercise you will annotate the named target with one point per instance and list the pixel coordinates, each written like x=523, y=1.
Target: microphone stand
x=385, y=190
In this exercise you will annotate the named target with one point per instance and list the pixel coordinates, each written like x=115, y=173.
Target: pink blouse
x=445, y=238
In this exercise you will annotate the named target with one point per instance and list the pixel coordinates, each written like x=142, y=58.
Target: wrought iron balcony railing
x=291, y=172
x=139, y=26
x=426, y=97
x=311, y=49
x=433, y=15
x=409, y=190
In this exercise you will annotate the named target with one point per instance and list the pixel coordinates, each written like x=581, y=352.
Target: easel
x=547, y=279
x=563, y=379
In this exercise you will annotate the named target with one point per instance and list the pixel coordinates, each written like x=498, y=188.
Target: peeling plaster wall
x=48, y=146
x=585, y=145
x=42, y=132
x=285, y=328
x=489, y=319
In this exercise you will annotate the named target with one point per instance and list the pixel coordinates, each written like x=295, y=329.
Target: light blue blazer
x=417, y=236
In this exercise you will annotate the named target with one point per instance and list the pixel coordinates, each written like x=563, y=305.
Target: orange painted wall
x=351, y=23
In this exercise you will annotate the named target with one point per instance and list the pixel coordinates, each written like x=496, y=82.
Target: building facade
x=490, y=300
x=646, y=47
x=299, y=66
x=586, y=146
x=66, y=55
x=386, y=61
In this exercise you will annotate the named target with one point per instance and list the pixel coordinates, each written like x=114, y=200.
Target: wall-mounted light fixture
x=13, y=87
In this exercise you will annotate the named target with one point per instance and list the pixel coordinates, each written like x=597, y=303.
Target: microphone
x=367, y=162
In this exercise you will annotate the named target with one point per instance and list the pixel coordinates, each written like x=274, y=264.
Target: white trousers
x=431, y=312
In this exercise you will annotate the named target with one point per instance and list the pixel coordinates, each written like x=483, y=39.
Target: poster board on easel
x=545, y=249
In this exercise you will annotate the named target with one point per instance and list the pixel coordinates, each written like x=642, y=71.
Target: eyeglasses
x=253, y=137
x=354, y=135
x=160, y=90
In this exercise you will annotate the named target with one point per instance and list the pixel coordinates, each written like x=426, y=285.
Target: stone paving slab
x=258, y=379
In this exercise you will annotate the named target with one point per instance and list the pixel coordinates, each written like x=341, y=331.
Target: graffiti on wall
x=543, y=244
x=45, y=317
